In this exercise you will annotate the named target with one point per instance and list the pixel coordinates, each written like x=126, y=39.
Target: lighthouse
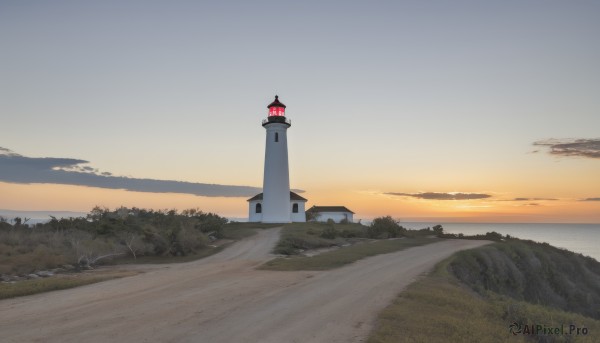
x=276, y=204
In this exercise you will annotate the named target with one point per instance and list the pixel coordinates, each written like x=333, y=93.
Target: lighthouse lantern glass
x=276, y=111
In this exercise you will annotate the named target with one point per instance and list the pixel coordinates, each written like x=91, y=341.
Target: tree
x=89, y=251
x=134, y=243
x=384, y=227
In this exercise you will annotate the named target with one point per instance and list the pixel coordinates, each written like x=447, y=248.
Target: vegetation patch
x=298, y=237
x=441, y=308
x=238, y=230
x=533, y=272
x=29, y=287
x=122, y=236
x=345, y=255
x=105, y=237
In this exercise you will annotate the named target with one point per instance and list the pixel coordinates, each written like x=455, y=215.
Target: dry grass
x=438, y=308
x=58, y=282
x=345, y=255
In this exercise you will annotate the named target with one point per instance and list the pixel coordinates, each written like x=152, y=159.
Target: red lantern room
x=276, y=113
x=276, y=108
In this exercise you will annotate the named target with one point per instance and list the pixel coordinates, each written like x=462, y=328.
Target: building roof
x=329, y=209
x=293, y=196
x=276, y=103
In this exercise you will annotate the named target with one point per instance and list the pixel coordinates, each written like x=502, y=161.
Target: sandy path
x=223, y=299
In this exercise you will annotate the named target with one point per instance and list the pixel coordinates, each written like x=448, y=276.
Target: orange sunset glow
x=398, y=117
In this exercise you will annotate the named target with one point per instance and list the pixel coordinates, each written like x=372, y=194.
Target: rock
x=58, y=270
x=68, y=266
x=45, y=273
x=5, y=278
x=32, y=276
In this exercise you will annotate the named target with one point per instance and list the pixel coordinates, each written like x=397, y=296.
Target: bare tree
x=134, y=243
x=88, y=250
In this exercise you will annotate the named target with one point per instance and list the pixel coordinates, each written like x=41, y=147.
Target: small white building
x=296, y=206
x=335, y=213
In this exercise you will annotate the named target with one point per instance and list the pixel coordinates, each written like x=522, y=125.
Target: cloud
x=16, y=168
x=532, y=199
x=7, y=152
x=588, y=148
x=442, y=196
x=590, y=199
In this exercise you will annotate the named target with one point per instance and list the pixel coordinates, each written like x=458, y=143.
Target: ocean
x=580, y=238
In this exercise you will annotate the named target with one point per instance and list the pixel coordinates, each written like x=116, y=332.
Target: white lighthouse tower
x=276, y=182
x=276, y=204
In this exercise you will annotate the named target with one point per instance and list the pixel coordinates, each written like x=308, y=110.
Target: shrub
x=348, y=233
x=385, y=227
x=103, y=234
x=285, y=250
x=329, y=233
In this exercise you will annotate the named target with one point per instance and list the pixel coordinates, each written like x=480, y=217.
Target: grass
x=231, y=231
x=170, y=259
x=237, y=230
x=251, y=225
x=343, y=256
x=29, y=287
x=296, y=237
x=439, y=308
x=534, y=272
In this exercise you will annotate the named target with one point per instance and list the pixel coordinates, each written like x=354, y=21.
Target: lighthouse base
x=297, y=214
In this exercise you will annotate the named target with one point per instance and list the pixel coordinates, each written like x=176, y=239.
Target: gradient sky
x=389, y=101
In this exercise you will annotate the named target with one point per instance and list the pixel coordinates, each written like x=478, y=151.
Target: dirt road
x=224, y=299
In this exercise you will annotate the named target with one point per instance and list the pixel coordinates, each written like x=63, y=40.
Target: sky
x=423, y=110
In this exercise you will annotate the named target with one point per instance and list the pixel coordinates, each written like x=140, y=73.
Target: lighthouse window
x=295, y=208
x=276, y=136
x=258, y=208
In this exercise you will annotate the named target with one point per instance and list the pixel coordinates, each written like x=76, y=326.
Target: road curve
x=222, y=298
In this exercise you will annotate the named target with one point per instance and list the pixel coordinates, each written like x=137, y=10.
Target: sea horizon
x=576, y=237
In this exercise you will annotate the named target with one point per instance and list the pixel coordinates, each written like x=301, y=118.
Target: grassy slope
x=533, y=272
x=303, y=236
x=439, y=308
x=296, y=237
x=345, y=255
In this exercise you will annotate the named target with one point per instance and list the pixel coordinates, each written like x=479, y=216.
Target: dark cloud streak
x=15, y=168
x=442, y=196
x=588, y=148
x=531, y=199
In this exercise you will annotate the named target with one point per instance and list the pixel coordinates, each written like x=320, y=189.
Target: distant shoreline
x=424, y=222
